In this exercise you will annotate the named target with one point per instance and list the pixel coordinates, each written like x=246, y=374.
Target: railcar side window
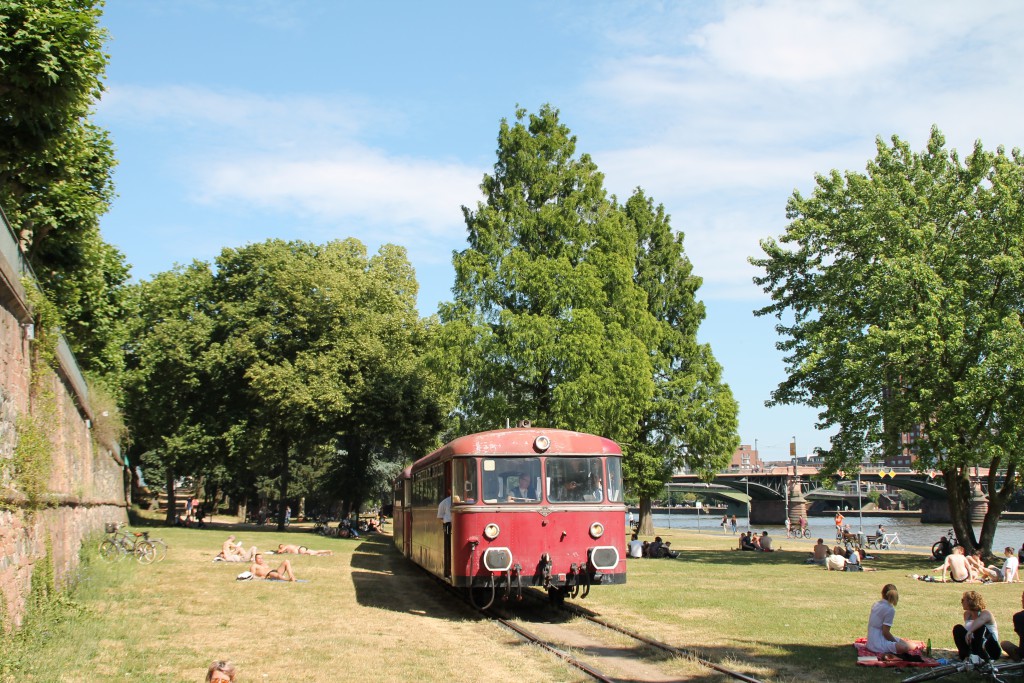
x=615, y=480
x=575, y=480
x=511, y=480
x=464, y=481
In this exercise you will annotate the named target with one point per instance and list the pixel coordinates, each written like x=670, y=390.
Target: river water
x=911, y=531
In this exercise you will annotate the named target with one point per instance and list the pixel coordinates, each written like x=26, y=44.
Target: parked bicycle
x=120, y=544
x=997, y=673
x=941, y=548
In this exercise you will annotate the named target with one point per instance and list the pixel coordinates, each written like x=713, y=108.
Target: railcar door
x=448, y=527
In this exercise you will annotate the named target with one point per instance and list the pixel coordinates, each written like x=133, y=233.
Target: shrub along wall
x=57, y=486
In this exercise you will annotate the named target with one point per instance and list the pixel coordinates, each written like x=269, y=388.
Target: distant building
x=908, y=453
x=745, y=459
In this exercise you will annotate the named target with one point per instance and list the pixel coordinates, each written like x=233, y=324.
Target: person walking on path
x=734, y=524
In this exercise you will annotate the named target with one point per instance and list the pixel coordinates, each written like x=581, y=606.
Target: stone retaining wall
x=86, y=481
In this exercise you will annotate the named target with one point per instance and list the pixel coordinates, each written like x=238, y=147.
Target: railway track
x=602, y=659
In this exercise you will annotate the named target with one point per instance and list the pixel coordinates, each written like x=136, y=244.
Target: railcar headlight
x=542, y=443
x=596, y=530
x=491, y=531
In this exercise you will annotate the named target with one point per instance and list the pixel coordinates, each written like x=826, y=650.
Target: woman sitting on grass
x=883, y=613
x=979, y=634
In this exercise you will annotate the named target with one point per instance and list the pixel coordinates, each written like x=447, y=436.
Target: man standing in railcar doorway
x=444, y=513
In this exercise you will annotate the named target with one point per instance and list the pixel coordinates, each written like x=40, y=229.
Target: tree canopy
x=899, y=293
x=56, y=169
x=578, y=313
x=291, y=369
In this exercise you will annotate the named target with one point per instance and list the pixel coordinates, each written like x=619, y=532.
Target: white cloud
x=230, y=117
x=784, y=41
x=302, y=157
x=394, y=197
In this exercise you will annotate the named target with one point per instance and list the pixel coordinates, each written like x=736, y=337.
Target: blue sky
x=237, y=121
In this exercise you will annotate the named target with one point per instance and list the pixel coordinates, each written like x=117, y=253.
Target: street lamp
x=860, y=507
x=747, y=478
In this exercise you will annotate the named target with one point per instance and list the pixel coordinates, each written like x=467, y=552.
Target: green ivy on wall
x=35, y=430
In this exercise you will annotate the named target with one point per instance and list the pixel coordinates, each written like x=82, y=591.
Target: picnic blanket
x=866, y=657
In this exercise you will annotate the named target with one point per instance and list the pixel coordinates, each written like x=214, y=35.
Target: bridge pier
x=934, y=511
x=767, y=512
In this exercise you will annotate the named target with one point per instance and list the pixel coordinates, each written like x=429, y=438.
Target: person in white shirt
x=883, y=613
x=853, y=561
x=636, y=547
x=444, y=512
x=1008, y=573
x=835, y=562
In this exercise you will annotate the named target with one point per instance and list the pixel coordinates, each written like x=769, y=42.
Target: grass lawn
x=367, y=614
x=796, y=621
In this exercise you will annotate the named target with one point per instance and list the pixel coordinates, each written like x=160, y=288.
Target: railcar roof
x=518, y=441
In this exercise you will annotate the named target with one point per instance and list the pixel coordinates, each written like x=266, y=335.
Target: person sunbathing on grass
x=292, y=549
x=234, y=552
x=262, y=570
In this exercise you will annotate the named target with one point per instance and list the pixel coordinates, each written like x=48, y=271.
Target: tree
x=169, y=385
x=577, y=313
x=550, y=322
x=691, y=418
x=56, y=169
x=900, y=302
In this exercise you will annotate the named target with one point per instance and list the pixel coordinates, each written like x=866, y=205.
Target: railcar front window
x=575, y=480
x=511, y=480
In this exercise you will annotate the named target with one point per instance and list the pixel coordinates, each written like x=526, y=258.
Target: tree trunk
x=958, y=491
x=172, y=500
x=283, y=490
x=646, y=518
x=998, y=498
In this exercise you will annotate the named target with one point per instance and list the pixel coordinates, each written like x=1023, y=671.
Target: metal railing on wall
x=15, y=263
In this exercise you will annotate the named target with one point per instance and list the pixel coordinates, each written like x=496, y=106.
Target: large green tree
x=691, y=418
x=169, y=386
x=899, y=293
x=288, y=369
x=577, y=313
x=551, y=324
x=56, y=169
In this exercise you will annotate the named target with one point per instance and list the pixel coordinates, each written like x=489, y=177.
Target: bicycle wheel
x=937, y=672
x=110, y=551
x=144, y=552
x=160, y=547
x=1013, y=669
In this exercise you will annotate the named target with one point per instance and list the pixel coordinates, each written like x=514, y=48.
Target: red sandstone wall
x=86, y=481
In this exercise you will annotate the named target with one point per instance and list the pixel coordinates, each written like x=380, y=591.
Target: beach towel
x=866, y=657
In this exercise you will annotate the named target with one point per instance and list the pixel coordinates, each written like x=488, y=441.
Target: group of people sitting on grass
x=655, y=548
x=840, y=558
x=751, y=541
x=978, y=635
x=972, y=569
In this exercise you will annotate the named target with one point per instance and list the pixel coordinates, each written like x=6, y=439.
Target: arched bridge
x=769, y=489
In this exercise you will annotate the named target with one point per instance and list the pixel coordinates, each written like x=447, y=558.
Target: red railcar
x=529, y=506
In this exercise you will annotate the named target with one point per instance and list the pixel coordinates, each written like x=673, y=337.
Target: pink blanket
x=866, y=657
